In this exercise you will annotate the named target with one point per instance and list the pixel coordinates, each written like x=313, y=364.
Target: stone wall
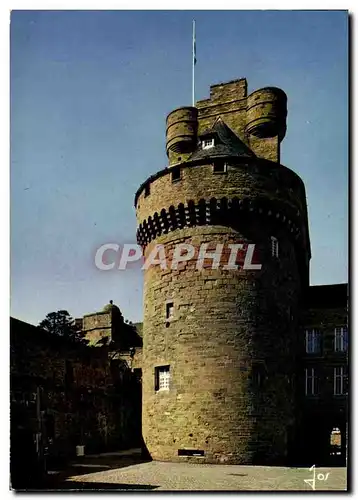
x=229, y=327
x=85, y=397
x=97, y=325
x=247, y=179
x=267, y=192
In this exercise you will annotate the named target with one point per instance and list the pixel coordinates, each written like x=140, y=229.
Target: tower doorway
x=335, y=446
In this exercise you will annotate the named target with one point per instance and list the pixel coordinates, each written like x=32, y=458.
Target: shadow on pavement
x=86, y=486
x=99, y=464
x=92, y=486
x=61, y=478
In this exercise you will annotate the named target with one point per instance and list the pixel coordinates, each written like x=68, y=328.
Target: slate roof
x=139, y=328
x=227, y=143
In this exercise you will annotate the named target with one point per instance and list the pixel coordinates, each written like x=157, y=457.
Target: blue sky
x=90, y=91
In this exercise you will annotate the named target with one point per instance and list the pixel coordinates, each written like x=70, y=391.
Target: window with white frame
x=340, y=381
x=274, y=246
x=311, y=382
x=162, y=378
x=313, y=341
x=341, y=339
x=208, y=143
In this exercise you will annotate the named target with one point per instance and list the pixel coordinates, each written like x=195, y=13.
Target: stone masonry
x=230, y=342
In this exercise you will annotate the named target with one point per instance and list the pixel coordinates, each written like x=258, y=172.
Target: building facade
x=324, y=375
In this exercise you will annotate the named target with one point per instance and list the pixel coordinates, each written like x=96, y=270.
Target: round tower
x=182, y=125
x=266, y=113
x=219, y=343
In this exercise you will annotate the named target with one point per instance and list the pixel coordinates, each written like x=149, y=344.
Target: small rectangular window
x=274, y=246
x=341, y=339
x=313, y=341
x=169, y=310
x=311, y=382
x=220, y=167
x=162, y=378
x=191, y=453
x=176, y=174
x=208, y=143
x=147, y=190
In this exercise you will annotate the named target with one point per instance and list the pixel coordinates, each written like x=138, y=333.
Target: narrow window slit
x=191, y=453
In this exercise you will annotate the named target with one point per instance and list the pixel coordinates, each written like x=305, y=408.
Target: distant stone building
x=222, y=348
x=109, y=325
x=64, y=395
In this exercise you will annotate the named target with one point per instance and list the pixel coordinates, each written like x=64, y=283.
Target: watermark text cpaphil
x=230, y=256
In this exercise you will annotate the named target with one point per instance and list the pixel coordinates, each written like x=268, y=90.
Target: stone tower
x=219, y=345
x=102, y=324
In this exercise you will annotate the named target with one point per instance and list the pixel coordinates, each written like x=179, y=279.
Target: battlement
x=200, y=197
x=258, y=119
x=226, y=91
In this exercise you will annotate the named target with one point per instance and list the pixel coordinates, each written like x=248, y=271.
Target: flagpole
x=194, y=61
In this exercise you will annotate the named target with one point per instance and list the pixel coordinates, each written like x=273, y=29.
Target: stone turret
x=181, y=132
x=106, y=323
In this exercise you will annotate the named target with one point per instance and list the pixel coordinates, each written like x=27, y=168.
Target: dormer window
x=208, y=143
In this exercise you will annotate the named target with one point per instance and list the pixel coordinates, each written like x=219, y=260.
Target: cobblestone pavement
x=165, y=476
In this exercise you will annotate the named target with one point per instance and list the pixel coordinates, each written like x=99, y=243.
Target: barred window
x=341, y=339
x=162, y=378
x=274, y=246
x=311, y=382
x=313, y=341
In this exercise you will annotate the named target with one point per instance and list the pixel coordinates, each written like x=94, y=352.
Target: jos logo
x=320, y=477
